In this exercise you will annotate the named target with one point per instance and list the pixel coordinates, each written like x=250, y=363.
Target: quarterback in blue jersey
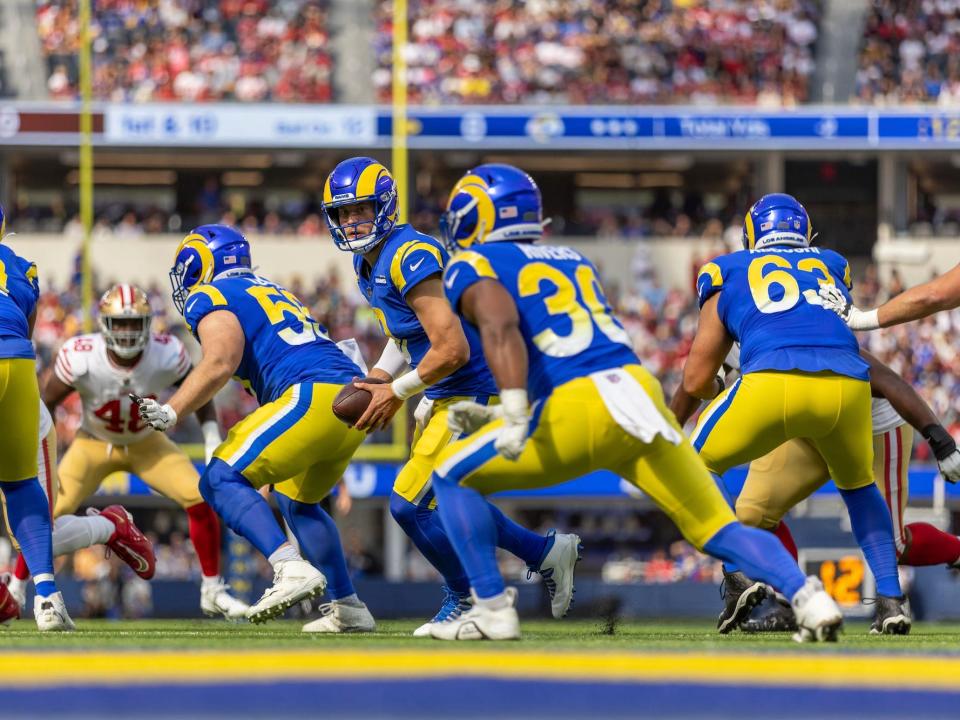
x=28, y=514
x=802, y=376
x=574, y=398
x=399, y=273
x=259, y=332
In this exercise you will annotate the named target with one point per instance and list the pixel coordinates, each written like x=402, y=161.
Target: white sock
x=496, y=602
x=350, y=600
x=282, y=554
x=211, y=580
x=72, y=532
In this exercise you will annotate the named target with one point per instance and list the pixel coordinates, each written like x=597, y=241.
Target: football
x=350, y=403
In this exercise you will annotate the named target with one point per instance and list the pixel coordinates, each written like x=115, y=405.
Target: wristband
x=408, y=385
x=515, y=404
x=721, y=383
x=392, y=361
x=941, y=442
x=211, y=432
x=865, y=320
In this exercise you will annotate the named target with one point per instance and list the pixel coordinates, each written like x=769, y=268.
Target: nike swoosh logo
x=418, y=263
x=452, y=279
x=142, y=564
x=191, y=305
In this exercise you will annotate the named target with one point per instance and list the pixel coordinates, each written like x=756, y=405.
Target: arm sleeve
x=392, y=360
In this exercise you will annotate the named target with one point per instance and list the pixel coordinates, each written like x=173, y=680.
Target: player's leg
x=166, y=469
x=28, y=510
x=302, y=433
x=847, y=448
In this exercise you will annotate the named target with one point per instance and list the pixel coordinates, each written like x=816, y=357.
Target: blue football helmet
x=776, y=219
x=203, y=254
x=360, y=179
x=492, y=203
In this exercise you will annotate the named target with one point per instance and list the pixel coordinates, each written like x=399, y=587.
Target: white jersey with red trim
x=108, y=412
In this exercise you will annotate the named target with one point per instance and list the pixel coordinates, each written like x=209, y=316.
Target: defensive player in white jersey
x=113, y=526
x=125, y=358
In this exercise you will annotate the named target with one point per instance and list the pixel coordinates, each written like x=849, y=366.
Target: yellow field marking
x=847, y=670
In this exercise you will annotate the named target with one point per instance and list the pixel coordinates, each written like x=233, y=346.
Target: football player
x=261, y=333
x=28, y=513
x=802, y=376
x=105, y=368
x=797, y=465
x=574, y=398
x=399, y=273
x=113, y=526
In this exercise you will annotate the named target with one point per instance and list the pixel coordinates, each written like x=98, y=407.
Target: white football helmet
x=125, y=320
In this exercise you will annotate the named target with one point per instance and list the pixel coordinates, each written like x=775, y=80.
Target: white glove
x=832, y=298
x=423, y=412
x=211, y=439
x=950, y=467
x=466, y=417
x=157, y=416
x=516, y=423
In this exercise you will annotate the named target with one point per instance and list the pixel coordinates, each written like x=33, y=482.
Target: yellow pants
x=574, y=434
x=780, y=479
x=294, y=443
x=20, y=418
x=155, y=459
x=413, y=482
x=763, y=410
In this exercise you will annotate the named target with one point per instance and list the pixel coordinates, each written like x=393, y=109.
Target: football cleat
x=51, y=614
x=557, y=569
x=483, y=622
x=892, y=616
x=454, y=605
x=293, y=581
x=130, y=545
x=18, y=588
x=336, y=617
x=9, y=607
x=216, y=601
x=818, y=616
x=777, y=618
x=740, y=596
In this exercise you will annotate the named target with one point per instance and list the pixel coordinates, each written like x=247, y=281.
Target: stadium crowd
x=910, y=53
x=192, y=50
x=593, y=51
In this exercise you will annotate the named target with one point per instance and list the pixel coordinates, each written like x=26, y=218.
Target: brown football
x=350, y=403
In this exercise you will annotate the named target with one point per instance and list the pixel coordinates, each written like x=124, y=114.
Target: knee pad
x=403, y=511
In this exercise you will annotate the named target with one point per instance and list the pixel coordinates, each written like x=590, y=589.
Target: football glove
x=466, y=417
x=945, y=450
x=423, y=413
x=516, y=423
x=832, y=298
x=157, y=416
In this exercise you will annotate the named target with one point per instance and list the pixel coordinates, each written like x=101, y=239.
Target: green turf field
x=577, y=635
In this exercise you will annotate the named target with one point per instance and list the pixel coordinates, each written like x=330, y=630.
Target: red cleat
x=9, y=607
x=129, y=543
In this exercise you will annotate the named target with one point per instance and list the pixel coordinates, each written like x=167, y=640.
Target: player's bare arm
x=885, y=383
x=941, y=293
x=448, y=352
x=54, y=392
x=710, y=346
x=222, y=343
x=683, y=405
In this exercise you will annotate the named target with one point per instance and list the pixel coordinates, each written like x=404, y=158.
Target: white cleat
x=293, y=581
x=18, y=588
x=454, y=605
x=557, y=572
x=51, y=614
x=215, y=601
x=483, y=622
x=335, y=617
x=818, y=617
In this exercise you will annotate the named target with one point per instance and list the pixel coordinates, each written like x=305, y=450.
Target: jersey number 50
x=761, y=281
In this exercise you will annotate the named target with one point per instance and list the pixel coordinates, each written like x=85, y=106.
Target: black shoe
x=740, y=596
x=893, y=616
x=775, y=618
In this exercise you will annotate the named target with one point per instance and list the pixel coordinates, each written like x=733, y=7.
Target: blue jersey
x=407, y=259
x=566, y=322
x=283, y=345
x=769, y=304
x=19, y=291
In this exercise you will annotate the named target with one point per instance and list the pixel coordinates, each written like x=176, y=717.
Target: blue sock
x=873, y=529
x=241, y=507
x=422, y=526
x=516, y=539
x=728, y=567
x=472, y=531
x=759, y=554
x=29, y=515
x=319, y=541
